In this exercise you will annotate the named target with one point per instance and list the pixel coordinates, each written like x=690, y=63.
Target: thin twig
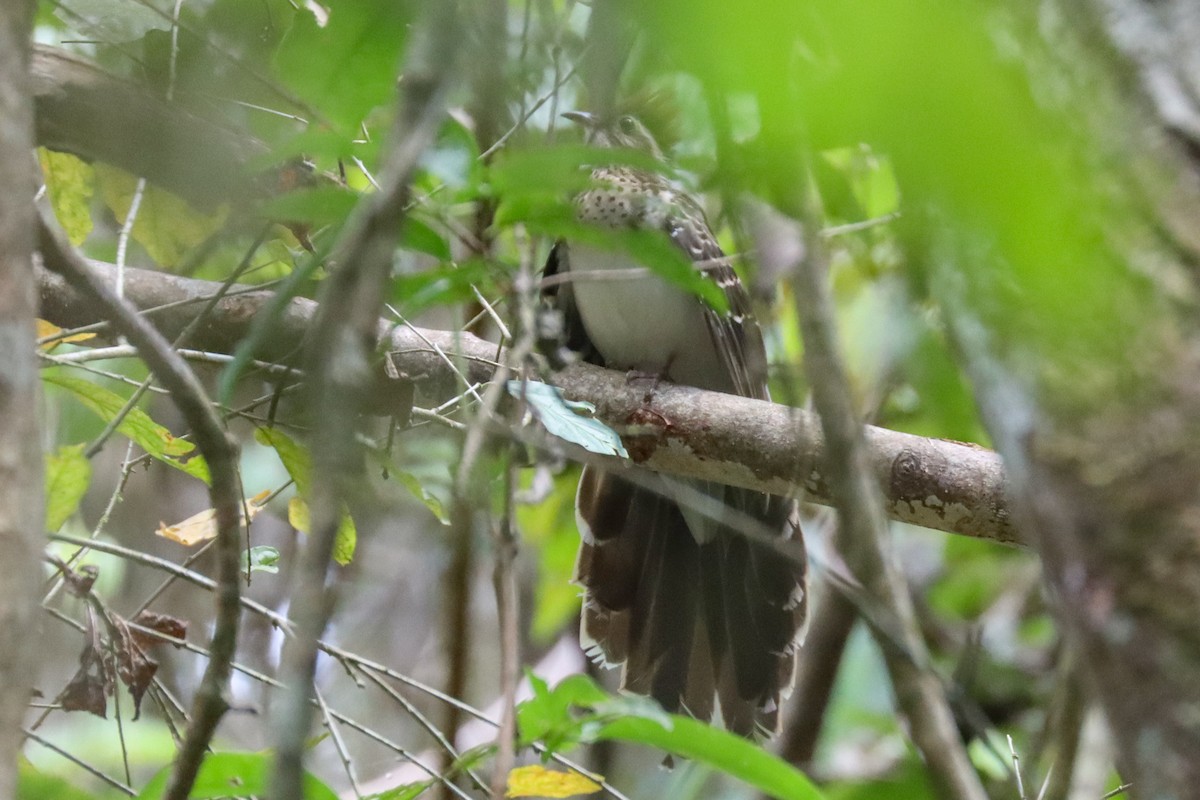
x=111, y=781
x=919, y=690
x=339, y=744
x=220, y=451
x=285, y=624
x=339, y=356
x=503, y=140
x=420, y=718
x=1016, y=762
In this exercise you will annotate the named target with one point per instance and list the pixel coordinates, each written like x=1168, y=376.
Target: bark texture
x=21, y=539
x=935, y=483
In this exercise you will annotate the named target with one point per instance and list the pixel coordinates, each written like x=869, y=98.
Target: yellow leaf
x=203, y=526
x=70, y=184
x=47, y=329
x=298, y=515
x=166, y=225
x=346, y=538
x=537, y=781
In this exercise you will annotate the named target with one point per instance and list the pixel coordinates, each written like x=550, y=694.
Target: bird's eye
x=628, y=125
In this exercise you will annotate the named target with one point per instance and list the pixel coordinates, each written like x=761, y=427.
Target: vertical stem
x=21, y=510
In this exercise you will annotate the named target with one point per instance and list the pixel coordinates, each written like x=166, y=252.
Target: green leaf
x=549, y=716
x=419, y=236
x=345, y=540
x=444, y=285
x=563, y=418
x=323, y=205
x=548, y=527
x=233, y=775
x=719, y=749
x=431, y=501
x=558, y=172
x=33, y=784
x=70, y=183
x=156, y=440
x=166, y=225
x=68, y=473
x=409, y=791
x=298, y=464
x=349, y=66
x=261, y=558
x=295, y=458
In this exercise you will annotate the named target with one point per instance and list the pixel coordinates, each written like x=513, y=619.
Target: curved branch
x=219, y=450
x=935, y=483
x=84, y=110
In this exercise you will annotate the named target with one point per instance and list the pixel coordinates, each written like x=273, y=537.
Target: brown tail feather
x=702, y=628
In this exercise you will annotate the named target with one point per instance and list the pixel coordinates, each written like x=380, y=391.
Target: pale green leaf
x=261, y=558
x=564, y=418
x=298, y=463
x=68, y=473
x=156, y=440
x=70, y=183
x=165, y=224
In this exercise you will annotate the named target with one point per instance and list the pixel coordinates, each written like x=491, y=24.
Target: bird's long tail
x=708, y=629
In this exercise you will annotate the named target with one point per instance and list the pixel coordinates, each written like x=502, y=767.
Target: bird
x=700, y=616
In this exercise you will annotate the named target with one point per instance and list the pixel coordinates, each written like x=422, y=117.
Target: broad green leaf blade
x=156, y=440
x=68, y=473
x=420, y=236
x=549, y=715
x=33, y=784
x=295, y=458
x=233, y=775
x=323, y=205
x=349, y=66
x=70, y=183
x=563, y=419
x=166, y=225
x=444, y=285
x=719, y=749
x=431, y=501
x=577, y=710
x=298, y=464
x=345, y=540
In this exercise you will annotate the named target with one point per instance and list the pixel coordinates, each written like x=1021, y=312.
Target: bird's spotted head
x=624, y=131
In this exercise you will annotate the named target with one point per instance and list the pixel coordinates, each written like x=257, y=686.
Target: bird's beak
x=581, y=117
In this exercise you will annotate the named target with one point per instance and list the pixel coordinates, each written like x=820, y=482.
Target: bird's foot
x=635, y=377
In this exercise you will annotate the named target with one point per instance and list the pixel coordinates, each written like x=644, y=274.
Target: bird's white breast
x=641, y=322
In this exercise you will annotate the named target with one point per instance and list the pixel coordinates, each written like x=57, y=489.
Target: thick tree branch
x=935, y=483
x=21, y=540
x=219, y=450
x=84, y=110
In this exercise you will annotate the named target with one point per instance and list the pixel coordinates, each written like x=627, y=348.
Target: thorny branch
x=935, y=483
x=219, y=450
x=339, y=357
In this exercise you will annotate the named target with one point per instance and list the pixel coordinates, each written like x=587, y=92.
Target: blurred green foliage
x=911, y=131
